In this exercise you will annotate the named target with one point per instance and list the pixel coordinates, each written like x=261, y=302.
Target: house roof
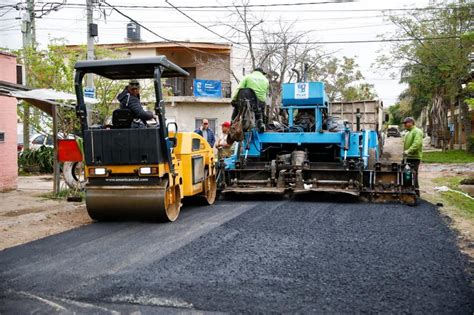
x=44, y=99
x=130, y=68
x=215, y=47
x=5, y=53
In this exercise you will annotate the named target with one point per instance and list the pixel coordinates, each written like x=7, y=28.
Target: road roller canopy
x=130, y=68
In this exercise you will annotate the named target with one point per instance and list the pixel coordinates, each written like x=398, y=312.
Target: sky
x=322, y=22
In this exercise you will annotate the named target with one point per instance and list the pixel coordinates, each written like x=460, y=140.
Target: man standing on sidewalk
x=413, y=148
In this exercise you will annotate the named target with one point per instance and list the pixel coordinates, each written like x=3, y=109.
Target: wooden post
x=56, y=170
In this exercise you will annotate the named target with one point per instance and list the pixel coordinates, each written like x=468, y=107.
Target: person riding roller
x=129, y=99
x=257, y=82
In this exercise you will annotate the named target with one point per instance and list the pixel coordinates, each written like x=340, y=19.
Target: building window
x=2, y=136
x=212, y=123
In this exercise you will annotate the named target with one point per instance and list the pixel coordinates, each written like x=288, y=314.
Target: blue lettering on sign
x=89, y=92
x=208, y=88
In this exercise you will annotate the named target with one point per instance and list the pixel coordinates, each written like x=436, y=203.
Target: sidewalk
x=26, y=214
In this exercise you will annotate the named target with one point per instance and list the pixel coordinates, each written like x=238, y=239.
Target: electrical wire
x=203, y=26
x=156, y=34
x=367, y=41
x=269, y=5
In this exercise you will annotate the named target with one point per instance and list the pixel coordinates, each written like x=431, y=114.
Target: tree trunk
x=440, y=120
x=26, y=126
x=466, y=120
x=451, y=123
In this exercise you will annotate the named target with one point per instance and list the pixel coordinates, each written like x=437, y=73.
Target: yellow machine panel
x=197, y=161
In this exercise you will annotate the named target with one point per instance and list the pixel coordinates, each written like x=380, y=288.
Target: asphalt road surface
x=248, y=256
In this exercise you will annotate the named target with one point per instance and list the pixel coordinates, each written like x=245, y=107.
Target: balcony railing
x=184, y=87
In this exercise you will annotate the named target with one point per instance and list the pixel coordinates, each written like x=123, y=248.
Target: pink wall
x=8, y=119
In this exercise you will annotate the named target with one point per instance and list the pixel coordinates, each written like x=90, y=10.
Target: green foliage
x=343, y=80
x=461, y=202
x=464, y=204
x=471, y=144
x=432, y=68
x=53, y=68
x=396, y=115
x=470, y=95
x=37, y=160
x=64, y=193
x=452, y=156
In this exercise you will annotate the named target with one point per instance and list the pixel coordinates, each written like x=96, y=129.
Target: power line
x=214, y=24
x=267, y=20
x=156, y=34
x=138, y=23
x=280, y=5
x=203, y=26
x=366, y=41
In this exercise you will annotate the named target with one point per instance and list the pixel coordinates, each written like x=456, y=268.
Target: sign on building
x=207, y=88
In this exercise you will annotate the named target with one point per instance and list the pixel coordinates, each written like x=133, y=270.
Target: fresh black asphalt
x=247, y=257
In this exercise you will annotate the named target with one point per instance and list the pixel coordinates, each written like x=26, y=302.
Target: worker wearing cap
x=225, y=149
x=129, y=98
x=413, y=147
x=258, y=82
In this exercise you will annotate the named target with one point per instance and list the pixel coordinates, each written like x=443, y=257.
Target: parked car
x=393, y=131
x=38, y=140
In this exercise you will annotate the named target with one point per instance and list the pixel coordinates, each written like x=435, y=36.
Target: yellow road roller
x=141, y=172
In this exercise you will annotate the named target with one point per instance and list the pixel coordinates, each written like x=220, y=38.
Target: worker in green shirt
x=413, y=148
x=258, y=83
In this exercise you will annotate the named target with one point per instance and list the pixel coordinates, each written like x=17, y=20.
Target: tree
x=435, y=61
x=281, y=53
x=53, y=68
x=398, y=112
x=243, y=23
x=343, y=79
x=281, y=50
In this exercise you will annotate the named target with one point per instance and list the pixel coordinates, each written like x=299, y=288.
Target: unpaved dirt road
x=246, y=256
x=26, y=215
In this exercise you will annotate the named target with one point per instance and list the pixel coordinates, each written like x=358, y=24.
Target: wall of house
x=208, y=67
x=185, y=114
x=142, y=52
x=8, y=120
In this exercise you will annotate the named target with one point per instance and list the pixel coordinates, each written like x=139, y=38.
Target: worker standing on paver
x=413, y=148
x=257, y=82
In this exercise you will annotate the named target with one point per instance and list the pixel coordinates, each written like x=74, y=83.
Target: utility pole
x=91, y=33
x=29, y=43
